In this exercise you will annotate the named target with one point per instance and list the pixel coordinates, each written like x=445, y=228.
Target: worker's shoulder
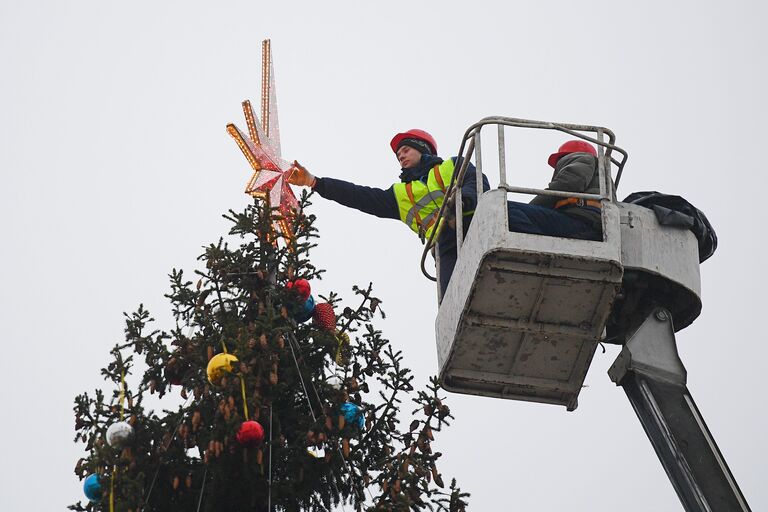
x=455, y=161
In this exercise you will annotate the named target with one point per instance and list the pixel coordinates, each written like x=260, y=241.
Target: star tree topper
x=261, y=148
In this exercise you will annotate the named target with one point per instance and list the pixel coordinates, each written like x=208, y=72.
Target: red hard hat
x=414, y=133
x=572, y=146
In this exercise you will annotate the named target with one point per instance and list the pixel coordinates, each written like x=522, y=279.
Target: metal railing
x=471, y=145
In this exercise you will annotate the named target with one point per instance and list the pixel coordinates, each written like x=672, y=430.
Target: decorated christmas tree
x=289, y=400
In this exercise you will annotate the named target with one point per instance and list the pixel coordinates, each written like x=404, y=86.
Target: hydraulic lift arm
x=654, y=379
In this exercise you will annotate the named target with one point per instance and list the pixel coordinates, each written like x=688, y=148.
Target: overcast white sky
x=116, y=167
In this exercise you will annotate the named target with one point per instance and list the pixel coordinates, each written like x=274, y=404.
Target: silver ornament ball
x=119, y=434
x=335, y=382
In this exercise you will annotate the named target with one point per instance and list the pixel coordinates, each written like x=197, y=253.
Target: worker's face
x=408, y=157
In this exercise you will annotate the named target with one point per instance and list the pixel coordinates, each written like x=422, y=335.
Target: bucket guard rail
x=470, y=144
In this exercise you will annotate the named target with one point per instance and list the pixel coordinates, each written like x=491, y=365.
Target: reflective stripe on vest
x=433, y=195
x=419, y=202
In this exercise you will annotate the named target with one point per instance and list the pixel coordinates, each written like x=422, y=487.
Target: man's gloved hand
x=451, y=220
x=301, y=176
x=450, y=204
x=450, y=211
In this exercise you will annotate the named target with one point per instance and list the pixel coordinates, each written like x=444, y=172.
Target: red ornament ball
x=175, y=370
x=324, y=317
x=250, y=433
x=302, y=288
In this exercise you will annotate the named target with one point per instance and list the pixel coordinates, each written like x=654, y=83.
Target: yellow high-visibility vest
x=419, y=202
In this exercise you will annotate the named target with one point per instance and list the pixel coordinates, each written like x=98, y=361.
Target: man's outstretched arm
x=370, y=200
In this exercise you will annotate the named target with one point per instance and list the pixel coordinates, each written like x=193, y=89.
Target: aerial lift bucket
x=522, y=315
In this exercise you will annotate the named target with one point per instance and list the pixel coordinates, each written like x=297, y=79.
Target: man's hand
x=450, y=205
x=301, y=176
x=450, y=211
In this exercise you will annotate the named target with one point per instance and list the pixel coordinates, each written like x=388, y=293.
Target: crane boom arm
x=654, y=379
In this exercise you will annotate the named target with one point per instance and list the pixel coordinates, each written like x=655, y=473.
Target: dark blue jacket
x=382, y=203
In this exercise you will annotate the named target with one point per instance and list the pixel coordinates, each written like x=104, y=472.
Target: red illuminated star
x=261, y=148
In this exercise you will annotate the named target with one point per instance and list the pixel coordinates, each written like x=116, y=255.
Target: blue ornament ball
x=353, y=414
x=305, y=311
x=92, y=488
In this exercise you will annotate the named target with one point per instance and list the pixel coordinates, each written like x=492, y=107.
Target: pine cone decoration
x=324, y=317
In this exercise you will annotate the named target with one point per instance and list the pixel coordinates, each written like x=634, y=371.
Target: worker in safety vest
x=415, y=200
x=575, y=170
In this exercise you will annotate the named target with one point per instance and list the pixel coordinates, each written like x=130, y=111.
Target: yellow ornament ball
x=218, y=366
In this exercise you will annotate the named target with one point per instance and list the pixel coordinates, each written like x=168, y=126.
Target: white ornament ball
x=316, y=452
x=335, y=382
x=119, y=434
